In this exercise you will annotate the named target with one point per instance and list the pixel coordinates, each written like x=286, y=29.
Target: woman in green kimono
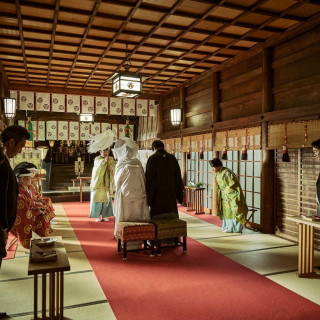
x=231, y=201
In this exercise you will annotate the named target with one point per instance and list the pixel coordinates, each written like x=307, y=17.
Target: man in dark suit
x=13, y=139
x=163, y=183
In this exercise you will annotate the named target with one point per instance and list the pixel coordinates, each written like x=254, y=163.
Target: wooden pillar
x=267, y=156
x=215, y=118
x=160, y=116
x=183, y=105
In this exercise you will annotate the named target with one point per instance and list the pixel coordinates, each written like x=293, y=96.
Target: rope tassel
x=285, y=154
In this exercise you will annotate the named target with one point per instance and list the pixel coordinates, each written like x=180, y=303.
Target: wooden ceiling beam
x=54, y=29
x=84, y=37
x=18, y=11
x=139, y=34
x=154, y=29
x=124, y=24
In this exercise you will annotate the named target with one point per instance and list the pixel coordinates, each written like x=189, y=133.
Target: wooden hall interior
x=246, y=75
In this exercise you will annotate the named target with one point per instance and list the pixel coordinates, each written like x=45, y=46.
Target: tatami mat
x=244, y=242
x=308, y=288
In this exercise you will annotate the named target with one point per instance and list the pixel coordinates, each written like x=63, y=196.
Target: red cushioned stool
x=135, y=231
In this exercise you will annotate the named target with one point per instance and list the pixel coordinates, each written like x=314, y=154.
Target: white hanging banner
x=26, y=101
x=58, y=103
x=105, y=126
x=95, y=128
x=115, y=130
x=115, y=106
x=51, y=130
x=63, y=130
x=149, y=127
x=73, y=104
x=129, y=107
x=42, y=101
x=121, y=130
x=87, y=104
x=152, y=108
x=142, y=107
x=41, y=130
x=84, y=131
x=102, y=105
x=74, y=130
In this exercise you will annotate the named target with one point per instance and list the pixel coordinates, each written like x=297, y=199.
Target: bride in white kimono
x=130, y=203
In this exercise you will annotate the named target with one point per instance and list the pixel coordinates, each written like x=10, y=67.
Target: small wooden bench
x=170, y=228
x=135, y=231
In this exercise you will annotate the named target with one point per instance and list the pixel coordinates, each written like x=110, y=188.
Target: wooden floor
x=273, y=257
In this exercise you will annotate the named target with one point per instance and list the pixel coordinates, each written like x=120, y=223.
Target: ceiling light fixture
x=126, y=84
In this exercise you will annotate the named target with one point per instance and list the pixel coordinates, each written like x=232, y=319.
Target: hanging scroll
x=84, y=131
x=142, y=107
x=115, y=106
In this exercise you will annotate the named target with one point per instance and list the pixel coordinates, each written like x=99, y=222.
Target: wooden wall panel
x=241, y=89
x=199, y=103
x=295, y=191
x=296, y=69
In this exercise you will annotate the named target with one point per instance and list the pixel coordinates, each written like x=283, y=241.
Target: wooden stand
x=306, y=246
x=81, y=179
x=195, y=200
x=55, y=270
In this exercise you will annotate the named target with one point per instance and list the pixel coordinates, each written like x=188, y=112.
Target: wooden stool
x=135, y=231
x=171, y=228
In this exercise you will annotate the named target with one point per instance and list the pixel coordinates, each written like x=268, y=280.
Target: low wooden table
x=81, y=179
x=306, y=246
x=55, y=270
x=195, y=199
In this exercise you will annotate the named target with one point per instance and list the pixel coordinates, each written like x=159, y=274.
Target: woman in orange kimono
x=44, y=201
x=30, y=214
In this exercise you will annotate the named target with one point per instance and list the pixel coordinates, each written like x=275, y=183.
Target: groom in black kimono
x=163, y=183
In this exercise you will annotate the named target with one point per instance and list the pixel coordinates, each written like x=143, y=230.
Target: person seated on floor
x=130, y=203
x=30, y=215
x=42, y=202
x=231, y=201
x=102, y=180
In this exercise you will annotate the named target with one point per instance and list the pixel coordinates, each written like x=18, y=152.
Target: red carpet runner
x=201, y=284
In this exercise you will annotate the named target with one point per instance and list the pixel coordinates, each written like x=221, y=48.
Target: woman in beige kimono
x=102, y=180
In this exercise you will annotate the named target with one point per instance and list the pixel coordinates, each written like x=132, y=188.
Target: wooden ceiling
x=78, y=44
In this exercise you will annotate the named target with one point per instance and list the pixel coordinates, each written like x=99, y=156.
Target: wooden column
x=215, y=118
x=160, y=116
x=267, y=156
x=183, y=104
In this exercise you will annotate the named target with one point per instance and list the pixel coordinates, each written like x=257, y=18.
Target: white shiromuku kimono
x=130, y=203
